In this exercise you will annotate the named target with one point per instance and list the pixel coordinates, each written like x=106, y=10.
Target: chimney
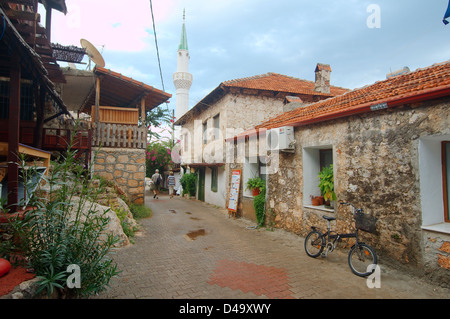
x=322, y=78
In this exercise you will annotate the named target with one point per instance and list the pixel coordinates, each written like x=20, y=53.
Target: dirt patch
x=195, y=233
x=14, y=278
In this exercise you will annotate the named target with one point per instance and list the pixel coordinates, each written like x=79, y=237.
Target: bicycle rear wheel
x=360, y=257
x=314, y=243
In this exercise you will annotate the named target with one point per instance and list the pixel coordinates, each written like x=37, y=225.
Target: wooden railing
x=116, y=135
x=59, y=139
x=116, y=115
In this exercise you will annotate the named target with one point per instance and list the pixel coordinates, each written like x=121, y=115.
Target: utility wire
x=156, y=43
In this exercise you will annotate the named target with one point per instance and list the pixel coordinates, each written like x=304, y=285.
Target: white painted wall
x=431, y=187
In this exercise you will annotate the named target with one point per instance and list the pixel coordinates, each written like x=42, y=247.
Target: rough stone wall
x=125, y=167
x=375, y=157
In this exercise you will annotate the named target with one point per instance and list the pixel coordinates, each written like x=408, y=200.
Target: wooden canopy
x=116, y=89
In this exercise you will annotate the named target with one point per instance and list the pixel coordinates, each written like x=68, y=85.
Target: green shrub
x=259, y=203
x=189, y=183
x=140, y=211
x=59, y=232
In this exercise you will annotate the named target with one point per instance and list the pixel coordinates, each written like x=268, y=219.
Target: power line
x=156, y=43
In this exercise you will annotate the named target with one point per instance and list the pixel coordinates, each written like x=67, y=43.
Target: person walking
x=156, y=183
x=171, y=183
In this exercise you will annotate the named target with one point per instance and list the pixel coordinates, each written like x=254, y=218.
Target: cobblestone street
x=192, y=250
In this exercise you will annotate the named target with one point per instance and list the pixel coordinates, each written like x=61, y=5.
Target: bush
x=56, y=233
x=140, y=211
x=259, y=203
x=189, y=183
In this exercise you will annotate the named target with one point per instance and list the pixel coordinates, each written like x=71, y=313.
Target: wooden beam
x=13, y=133
x=40, y=106
x=48, y=23
x=97, y=100
x=24, y=2
x=143, y=115
x=23, y=15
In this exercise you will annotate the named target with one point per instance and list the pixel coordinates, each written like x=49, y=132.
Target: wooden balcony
x=117, y=115
x=117, y=135
x=118, y=127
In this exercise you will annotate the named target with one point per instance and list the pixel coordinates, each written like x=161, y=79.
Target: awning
x=119, y=90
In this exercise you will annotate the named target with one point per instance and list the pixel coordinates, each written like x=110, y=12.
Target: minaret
x=182, y=79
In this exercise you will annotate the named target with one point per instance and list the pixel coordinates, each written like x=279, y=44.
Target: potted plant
x=326, y=184
x=256, y=184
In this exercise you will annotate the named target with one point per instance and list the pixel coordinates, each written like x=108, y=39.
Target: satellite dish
x=92, y=53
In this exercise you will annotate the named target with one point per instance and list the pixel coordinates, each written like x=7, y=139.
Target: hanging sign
x=234, y=190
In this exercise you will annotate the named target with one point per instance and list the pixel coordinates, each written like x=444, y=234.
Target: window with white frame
x=314, y=160
x=434, y=161
x=216, y=120
x=253, y=167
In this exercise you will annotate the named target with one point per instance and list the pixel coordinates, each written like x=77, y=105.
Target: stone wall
x=125, y=167
x=376, y=167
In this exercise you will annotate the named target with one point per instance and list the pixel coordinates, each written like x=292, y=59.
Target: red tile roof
x=421, y=85
x=266, y=82
x=281, y=83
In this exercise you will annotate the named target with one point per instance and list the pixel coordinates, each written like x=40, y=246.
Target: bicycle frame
x=360, y=256
x=331, y=240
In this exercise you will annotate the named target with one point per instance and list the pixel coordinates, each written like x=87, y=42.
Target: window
x=216, y=127
x=205, y=130
x=214, y=179
x=325, y=158
x=314, y=160
x=27, y=107
x=434, y=166
x=446, y=178
x=252, y=168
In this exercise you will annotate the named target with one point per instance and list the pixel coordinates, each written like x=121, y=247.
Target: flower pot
x=315, y=201
x=321, y=200
x=255, y=191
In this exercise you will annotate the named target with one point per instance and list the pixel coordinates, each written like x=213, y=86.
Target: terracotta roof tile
x=282, y=83
x=420, y=85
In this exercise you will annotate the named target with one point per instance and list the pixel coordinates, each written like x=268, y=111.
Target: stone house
x=389, y=144
x=115, y=130
x=230, y=109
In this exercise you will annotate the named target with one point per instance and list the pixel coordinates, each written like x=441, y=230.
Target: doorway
x=201, y=184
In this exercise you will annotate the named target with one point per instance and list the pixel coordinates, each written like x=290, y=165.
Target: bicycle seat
x=328, y=218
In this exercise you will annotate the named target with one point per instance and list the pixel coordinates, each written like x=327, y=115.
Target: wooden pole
x=48, y=23
x=143, y=115
x=13, y=134
x=97, y=100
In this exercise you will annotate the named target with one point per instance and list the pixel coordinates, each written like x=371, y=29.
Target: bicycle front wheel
x=314, y=243
x=362, y=260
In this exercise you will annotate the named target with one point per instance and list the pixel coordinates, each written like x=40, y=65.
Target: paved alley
x=192, y=250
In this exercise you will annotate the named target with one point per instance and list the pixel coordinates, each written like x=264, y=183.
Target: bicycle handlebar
x=353, y=207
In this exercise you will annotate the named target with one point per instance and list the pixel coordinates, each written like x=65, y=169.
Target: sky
x=361, y=40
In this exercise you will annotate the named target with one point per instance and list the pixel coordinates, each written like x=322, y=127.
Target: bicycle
x=360, y=256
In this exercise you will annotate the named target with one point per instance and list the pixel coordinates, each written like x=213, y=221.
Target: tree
x=161, y=118
x=158, y=155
